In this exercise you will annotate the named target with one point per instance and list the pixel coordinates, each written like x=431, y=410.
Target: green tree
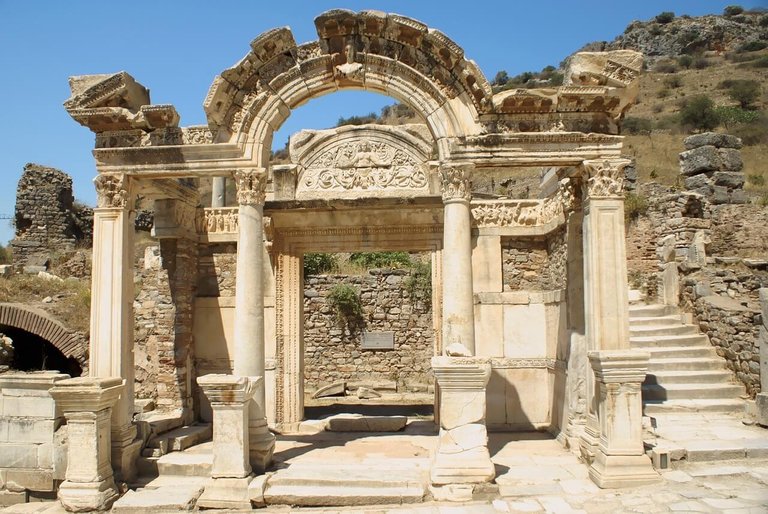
x=744, y=91
x=501, y=78
x=665, y=17
x=699, y=113
x=733, y=10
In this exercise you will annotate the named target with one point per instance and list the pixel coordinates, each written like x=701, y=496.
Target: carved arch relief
x=362, y=161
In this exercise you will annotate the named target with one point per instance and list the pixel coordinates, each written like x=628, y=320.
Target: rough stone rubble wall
x=535, y=265
x=333, y=353
x=47, y=218
x=163, y=353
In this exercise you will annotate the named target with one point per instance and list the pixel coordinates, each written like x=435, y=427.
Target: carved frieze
x=251, y=186
x=112, y=190
x=605, y=177
x=222, y=220
x=454, y=181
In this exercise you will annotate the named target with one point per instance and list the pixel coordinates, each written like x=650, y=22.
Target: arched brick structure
x=39, y=323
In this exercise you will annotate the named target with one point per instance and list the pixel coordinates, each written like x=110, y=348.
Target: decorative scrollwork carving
x=251, y=186
x=454, y=182
x=605, y=177
x=111, y=190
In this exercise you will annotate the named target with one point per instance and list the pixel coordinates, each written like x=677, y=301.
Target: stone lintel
x=86, y=394
x=624, y=366
x=39, y=381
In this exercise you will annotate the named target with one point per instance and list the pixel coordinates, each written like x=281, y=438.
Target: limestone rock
x=366, y=393
x=711, y=139
x=335, y=389
x=360, y=423
x=700, y=159
x=730, y=159
x=728, y=179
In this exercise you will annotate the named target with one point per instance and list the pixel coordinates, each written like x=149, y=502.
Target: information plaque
x=378, y=341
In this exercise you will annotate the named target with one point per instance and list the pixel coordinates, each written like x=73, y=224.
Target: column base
x=88, y=496
x=615, y=471
x=589, y=440
x=226, y=493
x=462, y=456
x=261, y=448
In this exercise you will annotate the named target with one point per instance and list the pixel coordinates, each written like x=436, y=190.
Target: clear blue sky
x=175, y=48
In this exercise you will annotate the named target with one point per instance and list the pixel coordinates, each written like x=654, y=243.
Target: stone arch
x=371, y=50
x=41, y=324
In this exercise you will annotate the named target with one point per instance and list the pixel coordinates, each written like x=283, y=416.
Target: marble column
x=230, y=397
x=461, y=459
x=620, y=459
x=762, y=342
x=86, y=403
x=606, y=302
x=111, y=331
x=458, y=300
x=249, y=350
x=219, y=192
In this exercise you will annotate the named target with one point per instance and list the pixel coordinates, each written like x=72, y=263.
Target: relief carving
x=111, y=191
x=217, y=220
x=251, y=186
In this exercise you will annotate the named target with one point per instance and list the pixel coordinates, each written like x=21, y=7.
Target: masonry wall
x=534, y=264
x=333, y=352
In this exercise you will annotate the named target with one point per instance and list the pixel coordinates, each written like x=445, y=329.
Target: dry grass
x=71, y=299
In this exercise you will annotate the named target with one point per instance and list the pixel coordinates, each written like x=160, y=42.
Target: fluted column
x=111, y=336
x=606, y=304
x=249, y=306
x=458, y=307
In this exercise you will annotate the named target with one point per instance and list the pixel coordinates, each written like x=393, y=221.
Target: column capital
x=454, y=181
x=619, y=367
x=113, y=190
x=251, y=185
x=604, y=177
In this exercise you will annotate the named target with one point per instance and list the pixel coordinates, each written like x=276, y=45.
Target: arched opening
x=34, y=353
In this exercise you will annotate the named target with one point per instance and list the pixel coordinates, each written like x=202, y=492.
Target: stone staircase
x=685, y=374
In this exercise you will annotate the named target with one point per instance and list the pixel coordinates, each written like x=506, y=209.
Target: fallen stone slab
x=360, y=423
x=364, y=393
x=335, y=389
x=168, y=498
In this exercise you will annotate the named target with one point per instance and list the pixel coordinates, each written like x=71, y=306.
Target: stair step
x=356, y=485
x=684, y=364
x=678, y=352
x=732, y=406
x=641, y=310
x=663, y=330
x=182, y=438
x=682, y=340
x=185, y=464
x=720, y=376
x=671, y=320
x=172, y=497
x=691, y=392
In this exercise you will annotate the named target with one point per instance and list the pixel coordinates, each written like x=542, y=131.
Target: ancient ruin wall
x=47, y=218
x=217, y=269
x=534, y=265
x=333, y=353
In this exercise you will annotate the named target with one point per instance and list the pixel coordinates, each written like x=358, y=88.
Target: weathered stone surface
x=361, y=423
x=697, y=182
x=711, y=139
x=728, y=179
x=698, y=160
x=366, y=393
x=336, y=389
x=730, y=159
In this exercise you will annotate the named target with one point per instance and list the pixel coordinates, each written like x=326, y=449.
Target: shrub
x=756, y=180
x=699, y=113
x=662, y=93
x=345, y=302
x=673, y=82
x=419, y=284
x=5, y=255
x=685, y=61
x=744, y=92
x=753, y=46
x=700, y=62
x=665, y=17
x=751, y=134
x=730, y=115
x=669, y=122
x=760, y=62
x=381, y=259
x=763, y=21
x=666, y=67
x=318, y=263
x=635, y=205
x=500, y=79
x=636, y=125
x=733, y=10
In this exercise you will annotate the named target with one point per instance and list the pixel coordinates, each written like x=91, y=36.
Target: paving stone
x=689, y=506
x=677, y=476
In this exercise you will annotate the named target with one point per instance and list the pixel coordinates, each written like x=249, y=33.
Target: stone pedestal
x=462, y=455
x=620, y=459
x=230, y=397
x=249, y=354
x=458, y=306
x=87, y=404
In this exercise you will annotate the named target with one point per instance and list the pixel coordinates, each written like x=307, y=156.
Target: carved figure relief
x=364, y=165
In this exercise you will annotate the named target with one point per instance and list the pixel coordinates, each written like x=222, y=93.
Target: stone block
x=360, y=423
x=728, y=179
x=28, y=430
x=697, y=182
x=699, y=160
x=713, y=139
x=730, y=159
x=738, y=197
x=28, y=407
x=761, y=402
x=31, y=479
x=14, y=455
x=720, y=195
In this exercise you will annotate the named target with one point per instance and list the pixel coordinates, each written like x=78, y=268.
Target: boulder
x=699, y=160
x=711, y=139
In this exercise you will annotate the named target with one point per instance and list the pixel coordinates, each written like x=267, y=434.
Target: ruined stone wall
x=333, y=353
x=167, y=276
x=47, y=219
x=534, y=265
x=724, y=299
x=739, y=230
